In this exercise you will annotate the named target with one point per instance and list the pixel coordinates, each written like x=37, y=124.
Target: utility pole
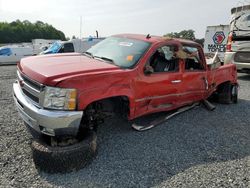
x=80, y=27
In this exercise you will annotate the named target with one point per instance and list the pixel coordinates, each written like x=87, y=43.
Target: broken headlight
x=59, y=98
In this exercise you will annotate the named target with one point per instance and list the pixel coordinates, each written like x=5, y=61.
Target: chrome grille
x=31, y=89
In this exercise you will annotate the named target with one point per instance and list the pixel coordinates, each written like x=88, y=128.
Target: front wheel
x=65, y=158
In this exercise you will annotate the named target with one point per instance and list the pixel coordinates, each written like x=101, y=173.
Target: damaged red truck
x=62, y=98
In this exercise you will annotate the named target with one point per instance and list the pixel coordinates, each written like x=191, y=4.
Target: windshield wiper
x=88, y=54
x=105, y=59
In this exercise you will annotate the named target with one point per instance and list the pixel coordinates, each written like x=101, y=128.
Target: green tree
x=24, y=31
x=200, y=41
x=185, y=34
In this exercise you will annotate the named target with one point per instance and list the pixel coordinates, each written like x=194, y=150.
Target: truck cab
x=74, y=45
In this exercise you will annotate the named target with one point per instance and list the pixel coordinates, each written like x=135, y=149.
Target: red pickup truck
x=64, y=97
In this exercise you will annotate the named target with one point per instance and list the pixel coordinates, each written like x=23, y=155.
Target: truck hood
x=51, y=69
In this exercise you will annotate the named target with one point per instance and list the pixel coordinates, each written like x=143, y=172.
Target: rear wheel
x=234, y=93
x=228, y=93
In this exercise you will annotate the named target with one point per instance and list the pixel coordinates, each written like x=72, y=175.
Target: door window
x=192, y=58
x=164, y=60
x=68, y=47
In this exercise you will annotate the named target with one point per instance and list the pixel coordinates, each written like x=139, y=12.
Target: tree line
x=185, y=34
x=24, y=31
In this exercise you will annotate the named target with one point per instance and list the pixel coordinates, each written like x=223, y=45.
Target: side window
x=68, y=47
x=164, y=60
x=192, y=58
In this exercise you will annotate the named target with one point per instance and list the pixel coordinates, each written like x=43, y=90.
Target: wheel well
x=96, y=112
x=222, y=93
x=117, y=105
x=221, y=86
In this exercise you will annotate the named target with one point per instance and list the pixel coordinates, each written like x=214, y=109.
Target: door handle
x=206, y=82
x=176, y=81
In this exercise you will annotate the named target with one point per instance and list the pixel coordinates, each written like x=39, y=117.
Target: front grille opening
x=31, y=83
x=32, y=97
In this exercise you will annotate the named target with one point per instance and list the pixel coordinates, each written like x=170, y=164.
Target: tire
x=228, y=93
x=64, y=159
x=234, y=93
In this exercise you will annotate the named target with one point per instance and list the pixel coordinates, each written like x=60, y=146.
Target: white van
x=238, y=45
x=13, y=54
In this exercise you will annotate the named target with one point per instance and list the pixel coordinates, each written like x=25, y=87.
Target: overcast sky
x=156, y=17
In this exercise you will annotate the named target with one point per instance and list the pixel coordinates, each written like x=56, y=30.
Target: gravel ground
x=195, y=149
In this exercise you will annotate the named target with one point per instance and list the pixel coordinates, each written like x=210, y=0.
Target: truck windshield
x=54, y=48
x=122, y=52
x=5, y=52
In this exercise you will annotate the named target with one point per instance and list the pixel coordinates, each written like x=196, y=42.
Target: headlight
x=59, y=98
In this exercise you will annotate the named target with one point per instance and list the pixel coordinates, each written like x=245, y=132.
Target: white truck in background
x=40, y=45
x=238, y=46
x=74, y=45
x=216, y=40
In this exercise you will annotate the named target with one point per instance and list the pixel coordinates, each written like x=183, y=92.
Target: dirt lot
x=195, y=149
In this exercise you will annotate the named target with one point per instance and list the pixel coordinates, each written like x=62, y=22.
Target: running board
x=163, y=119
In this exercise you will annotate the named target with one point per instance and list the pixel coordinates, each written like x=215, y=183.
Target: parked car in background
x=74, y=45
x=13, y=54
x=238, y=45
x=216, y=40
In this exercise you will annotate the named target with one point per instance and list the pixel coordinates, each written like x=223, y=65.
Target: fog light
x=47, y=131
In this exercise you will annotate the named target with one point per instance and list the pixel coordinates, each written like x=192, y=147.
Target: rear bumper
x=49, y=122
x=241, y=66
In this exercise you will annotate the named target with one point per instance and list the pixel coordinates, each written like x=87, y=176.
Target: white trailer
x=216, y=40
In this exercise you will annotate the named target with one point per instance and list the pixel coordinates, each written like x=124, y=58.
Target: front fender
x=85, y=98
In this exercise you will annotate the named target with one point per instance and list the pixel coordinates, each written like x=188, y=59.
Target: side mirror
x=148, y=70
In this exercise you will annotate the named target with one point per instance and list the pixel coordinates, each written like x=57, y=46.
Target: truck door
x=158, y=90
x=194, y=75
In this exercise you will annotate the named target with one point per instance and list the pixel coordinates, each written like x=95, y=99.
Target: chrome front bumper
x=49, y=122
